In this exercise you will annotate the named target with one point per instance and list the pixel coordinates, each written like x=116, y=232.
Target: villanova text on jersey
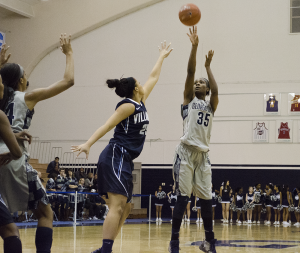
x=131, y=132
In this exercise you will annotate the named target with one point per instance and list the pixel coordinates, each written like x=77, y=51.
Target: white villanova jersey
x=260, y=132
x=18, y=114
x=197, y=124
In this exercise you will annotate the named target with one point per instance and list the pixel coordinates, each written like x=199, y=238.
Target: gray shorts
x=192, y=172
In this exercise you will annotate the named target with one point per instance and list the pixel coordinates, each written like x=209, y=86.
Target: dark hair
x=257, y=184
x=11, y=74
x=53, y=176
x=225, y=184
x=278, y=187
x=56, y=158
x=159, y=186
x=238, y=189
x=271, y=186
x=124, y=86
x=284, y=189
x=207, y=85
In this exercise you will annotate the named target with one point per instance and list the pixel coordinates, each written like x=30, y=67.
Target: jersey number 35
x=201, y=119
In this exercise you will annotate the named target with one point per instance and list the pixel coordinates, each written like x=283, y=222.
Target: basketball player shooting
x=191, y=160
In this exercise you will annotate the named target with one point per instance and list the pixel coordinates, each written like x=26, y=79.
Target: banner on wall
x=2, y=39
x=260, y=132
x=272, y=103
x=284, y=131
x=294, y=103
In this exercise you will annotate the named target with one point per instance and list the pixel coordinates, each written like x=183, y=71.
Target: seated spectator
x=89, y=181
x=71, y=186
x=96, y=206
x=80, y=174
x=53, y=166
x=95, y=182
x=51, y=187
x=81, y=188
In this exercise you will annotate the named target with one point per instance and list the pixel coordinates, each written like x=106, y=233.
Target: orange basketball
x=189, y=14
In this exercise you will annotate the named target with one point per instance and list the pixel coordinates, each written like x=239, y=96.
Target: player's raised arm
x=164, y=52
x=3, y=58
x=32, y=98
x=122, y=112
x=214, y=98
x=188, y=93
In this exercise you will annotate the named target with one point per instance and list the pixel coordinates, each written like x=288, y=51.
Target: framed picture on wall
x=298, y=130
x=2, y=39
x=284, y=131
x=294, y=103
x=260, y=131
x=272, y=102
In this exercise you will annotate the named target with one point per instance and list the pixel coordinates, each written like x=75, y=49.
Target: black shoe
x=174, y=246
x=97, y=251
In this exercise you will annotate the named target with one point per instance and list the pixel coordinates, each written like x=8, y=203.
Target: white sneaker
x=230, y=220
x=95, y=218
x=254, y=222
x=298, y=224
x=201, y=220
x=268, y=223
x=213, y=221
x=188, y=220
x=278, y=222
x=290, y=221
x=275, y=223
x=185, y=218
x=265, y=221
x=197, y=221
x=245, y=222
x=171, y=221
x=239, y=222
x=258, y=222
x=222, y=219
x=249, y=222
x=285, y=224
x=160, y=219
x=156, y=219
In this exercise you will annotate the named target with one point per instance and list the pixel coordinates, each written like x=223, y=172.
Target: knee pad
x=206, y=207
x=180, y=206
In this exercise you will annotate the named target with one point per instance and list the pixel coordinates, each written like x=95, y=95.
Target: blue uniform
x=272, y=104
x=277, y=201
x=115, y=164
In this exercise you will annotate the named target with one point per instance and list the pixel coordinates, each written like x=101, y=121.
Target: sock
x=206, y=213
x=179, y=209
x=107, y=246
x=43, y=239
x=12, y=244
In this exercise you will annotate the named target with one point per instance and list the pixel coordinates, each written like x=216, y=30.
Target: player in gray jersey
x=20, y=185
x=192, y=168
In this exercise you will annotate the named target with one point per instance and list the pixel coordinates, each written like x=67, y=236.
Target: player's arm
x=221, y=188
x=195, y=202
x=188, y=93
x=155, y=73
x=37, y=95
x=214, y=98
x=280, y=198
x=9, y=139
x=246, y=197
x=169, y=194
x=155, y=193
x=122, y=112
x=3, y=57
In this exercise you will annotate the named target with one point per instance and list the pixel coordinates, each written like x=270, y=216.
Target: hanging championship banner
x=272, y=103
x=2, y=39
x=260, y=131
x=294, y=103
x=284, y=131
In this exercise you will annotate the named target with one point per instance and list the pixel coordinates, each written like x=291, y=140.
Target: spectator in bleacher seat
x=89, y=181
x=71, y=186
x=96, y=206
x=51, y=187
x=95, y=182
x=81, y=197
x=53, y=166
x=62, y=198
x=40, y=176
x=80, y=174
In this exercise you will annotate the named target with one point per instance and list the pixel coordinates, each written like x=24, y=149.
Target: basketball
x=189, y=14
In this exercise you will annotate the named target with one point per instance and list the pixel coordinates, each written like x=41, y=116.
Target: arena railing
x=76, y=193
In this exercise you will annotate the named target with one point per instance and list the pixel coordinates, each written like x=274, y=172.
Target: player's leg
x=213, y=213
x=259, y=208
x=9, y=232
x=183, y=175
x=238, y=215
x=44, y=231
x=227, y=211
x=188, y=211
x=157, y=211
x=124, y=216
x=254, y=213
x=202, y=188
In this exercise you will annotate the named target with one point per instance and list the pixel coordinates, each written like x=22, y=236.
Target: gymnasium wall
x=254, y=54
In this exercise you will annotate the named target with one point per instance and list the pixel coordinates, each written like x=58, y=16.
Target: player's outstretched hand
x=5, y=159
x=164, y=49
x=81, y=148
x=24, y=136
x=193, y=36
x=65, y=44
x=3, y=57
x=209, y=58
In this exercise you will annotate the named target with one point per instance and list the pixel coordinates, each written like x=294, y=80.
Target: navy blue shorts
x=5, y=216
x=115, y=168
